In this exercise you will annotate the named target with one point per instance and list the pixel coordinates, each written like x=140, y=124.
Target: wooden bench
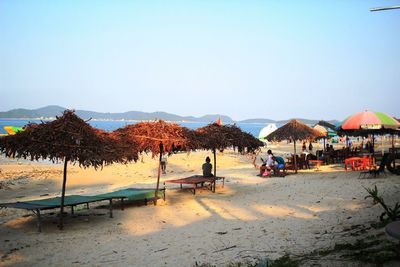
x=198, y=181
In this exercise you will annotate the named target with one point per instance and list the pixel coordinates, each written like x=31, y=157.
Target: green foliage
x=284, y=261
x=392, y=213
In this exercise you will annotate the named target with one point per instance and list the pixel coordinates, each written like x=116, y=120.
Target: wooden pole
x=382, y=145
x=215, y=167
x=61, y=225
x=294, y=158
x=159, y=172
x=373, y=145
x=394, y=152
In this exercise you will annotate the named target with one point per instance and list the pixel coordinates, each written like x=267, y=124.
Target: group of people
x=271, y=164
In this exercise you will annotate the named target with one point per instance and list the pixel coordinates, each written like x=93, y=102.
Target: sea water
x=252, y=128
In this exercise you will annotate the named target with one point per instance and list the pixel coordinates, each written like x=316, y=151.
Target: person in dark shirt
x=310, y=147
x=207, y=168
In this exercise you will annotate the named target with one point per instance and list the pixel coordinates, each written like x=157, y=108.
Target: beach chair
x=290, y=164
x=280, y=168
x=376, y=170
x=38, y=206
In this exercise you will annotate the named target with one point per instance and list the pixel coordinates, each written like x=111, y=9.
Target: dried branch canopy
x=294, y=130
x=68, y=137
x=214, y=136
x=147, y=136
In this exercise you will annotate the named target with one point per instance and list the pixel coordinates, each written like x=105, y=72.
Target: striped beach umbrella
x=369, y=120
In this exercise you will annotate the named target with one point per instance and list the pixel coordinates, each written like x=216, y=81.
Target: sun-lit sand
x=250, y=218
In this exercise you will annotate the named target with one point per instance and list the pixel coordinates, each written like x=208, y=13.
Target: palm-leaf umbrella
x=156, y=137
x=215, y=136
x=67, y=138
x=326, y=129
x=294, y=130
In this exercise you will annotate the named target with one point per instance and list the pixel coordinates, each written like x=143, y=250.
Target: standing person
x=310, y=147
x=207, y=168
x=304, y=147
x=164, y=163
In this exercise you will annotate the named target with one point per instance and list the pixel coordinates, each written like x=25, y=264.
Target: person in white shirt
x=164, y=163
x=268, y=164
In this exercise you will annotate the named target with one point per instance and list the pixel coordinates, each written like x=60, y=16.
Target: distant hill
x=53, y=111
x=307, y=121
x=258, y=121
x=281, y=122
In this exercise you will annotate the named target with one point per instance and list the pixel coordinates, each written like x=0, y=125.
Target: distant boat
x=219, y=121
x=266, y=131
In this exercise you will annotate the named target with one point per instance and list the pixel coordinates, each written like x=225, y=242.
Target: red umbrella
x=369, y=121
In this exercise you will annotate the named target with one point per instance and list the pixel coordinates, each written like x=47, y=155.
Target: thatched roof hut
x=214, y=136
x=69, y=139
x=157, y=137
x=147, y=136
x=294, y=130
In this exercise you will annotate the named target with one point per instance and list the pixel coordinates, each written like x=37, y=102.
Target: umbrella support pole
x=159, y=173
x=294, y=157
x=39, y=219
x=111, y=210
x=61, y=226
x=394, y=153
x=215, y=170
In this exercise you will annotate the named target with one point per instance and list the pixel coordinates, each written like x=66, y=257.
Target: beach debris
x=222, y=233
x=227, y=248
x=160, y=250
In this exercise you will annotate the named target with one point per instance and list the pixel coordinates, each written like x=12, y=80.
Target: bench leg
x=111, y=211
x=72, y=210
x=39, y=221
x=122, y=203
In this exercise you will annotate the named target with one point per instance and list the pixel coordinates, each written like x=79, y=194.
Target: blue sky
x=245, y=59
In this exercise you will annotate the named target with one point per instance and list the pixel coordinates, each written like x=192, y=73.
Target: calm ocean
x=253, y=128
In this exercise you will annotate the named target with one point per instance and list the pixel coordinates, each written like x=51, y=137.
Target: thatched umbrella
x=156, y=137
x=214, y=136
x=67, y=138
x=294, y=130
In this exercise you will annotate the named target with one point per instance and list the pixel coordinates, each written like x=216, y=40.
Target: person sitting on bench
x=207, y=168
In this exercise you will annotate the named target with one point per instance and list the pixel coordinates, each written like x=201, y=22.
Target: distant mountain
x=280, y=122
x=53, y=111
x=258, y=121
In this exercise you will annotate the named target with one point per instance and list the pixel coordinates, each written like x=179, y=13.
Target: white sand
x=253, y=217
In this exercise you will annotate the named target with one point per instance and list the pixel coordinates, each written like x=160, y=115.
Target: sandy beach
x=251, y=218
